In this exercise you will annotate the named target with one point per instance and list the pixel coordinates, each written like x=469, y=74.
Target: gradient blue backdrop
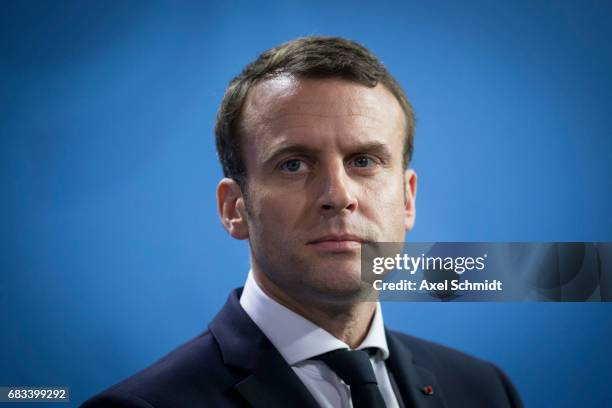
x=112, y=253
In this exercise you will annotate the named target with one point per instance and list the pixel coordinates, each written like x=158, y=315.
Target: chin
x=336, y=281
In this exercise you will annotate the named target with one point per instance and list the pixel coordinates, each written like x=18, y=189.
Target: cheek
x=385, y=204
x=275, y=213
x=387, y=195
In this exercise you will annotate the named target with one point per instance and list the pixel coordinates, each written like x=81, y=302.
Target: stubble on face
x=331, y=120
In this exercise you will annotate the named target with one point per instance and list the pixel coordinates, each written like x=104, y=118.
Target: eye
x=363, y=161
x=293, y=165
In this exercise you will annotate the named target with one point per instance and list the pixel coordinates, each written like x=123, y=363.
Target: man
x=315, y=139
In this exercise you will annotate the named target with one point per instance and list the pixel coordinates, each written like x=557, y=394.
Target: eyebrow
x=377, y=148
x=287, y=150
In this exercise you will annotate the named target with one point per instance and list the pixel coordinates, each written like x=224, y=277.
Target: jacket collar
x=414, y=382
x=269, y=381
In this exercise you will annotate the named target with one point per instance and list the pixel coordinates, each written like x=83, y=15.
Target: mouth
x=337, y=243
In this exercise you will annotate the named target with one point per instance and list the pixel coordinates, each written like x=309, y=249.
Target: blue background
x=112, y=253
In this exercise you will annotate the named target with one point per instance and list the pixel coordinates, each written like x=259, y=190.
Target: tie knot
x=352, y=366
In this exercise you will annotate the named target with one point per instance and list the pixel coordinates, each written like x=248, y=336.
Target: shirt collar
x=296, y=338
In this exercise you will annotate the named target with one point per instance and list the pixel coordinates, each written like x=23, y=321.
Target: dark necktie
x=354, y=368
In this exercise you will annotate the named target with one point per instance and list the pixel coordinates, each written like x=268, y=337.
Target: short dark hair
x=306, y=57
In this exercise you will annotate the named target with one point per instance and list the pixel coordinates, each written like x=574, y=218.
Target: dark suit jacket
x=233, y=364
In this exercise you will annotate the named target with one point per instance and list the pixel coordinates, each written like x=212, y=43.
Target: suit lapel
x=274, y=384
x=268, y=381
x=412, y=380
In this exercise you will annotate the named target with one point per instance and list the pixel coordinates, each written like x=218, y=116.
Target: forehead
x=319, y=111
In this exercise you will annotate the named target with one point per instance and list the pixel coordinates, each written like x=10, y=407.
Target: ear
x=410, y=183
x=231, y=208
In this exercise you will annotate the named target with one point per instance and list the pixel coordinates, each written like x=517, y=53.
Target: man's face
x=325, y=173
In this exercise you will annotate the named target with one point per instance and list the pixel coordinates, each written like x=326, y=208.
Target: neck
x=347, y=321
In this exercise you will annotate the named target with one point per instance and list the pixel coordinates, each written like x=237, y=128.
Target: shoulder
x=429, y=353
x=459, y=374
x=192, y=372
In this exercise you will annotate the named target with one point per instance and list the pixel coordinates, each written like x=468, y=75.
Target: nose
x=336, y=194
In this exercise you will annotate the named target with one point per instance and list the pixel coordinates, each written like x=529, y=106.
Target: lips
x=337, y=242
x=337, y=238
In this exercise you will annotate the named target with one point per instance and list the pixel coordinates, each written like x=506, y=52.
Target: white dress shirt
x=298, y=339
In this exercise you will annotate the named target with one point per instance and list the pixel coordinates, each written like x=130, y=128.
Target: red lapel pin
x=427, y=390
